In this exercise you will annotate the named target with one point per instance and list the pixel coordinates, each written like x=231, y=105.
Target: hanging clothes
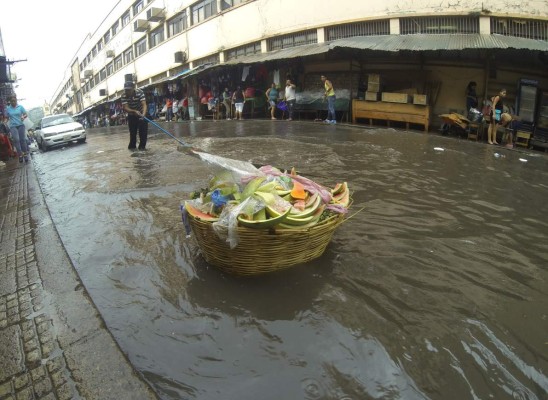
x=245, y=73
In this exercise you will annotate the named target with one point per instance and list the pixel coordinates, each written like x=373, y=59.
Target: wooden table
x=401, y=112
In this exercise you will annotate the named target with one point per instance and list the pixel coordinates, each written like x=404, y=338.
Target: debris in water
x=523, y=160
x=439, y=149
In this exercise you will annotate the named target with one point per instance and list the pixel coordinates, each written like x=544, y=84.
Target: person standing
x=134, y=103
x=497, y=108
x=169, y=109
x=272, y=95
x=329, y=94
x=238, y=98
x=175, y=109
x=290, y=97
x=183, y=106
x=17, y=114
x=471, y=96
x=227, y=103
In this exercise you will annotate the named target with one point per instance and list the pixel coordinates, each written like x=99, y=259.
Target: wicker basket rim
x=328, y=221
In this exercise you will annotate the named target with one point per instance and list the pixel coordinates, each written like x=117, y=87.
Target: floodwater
x=435, y=288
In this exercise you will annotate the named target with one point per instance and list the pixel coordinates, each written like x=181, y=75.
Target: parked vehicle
x=59, y=129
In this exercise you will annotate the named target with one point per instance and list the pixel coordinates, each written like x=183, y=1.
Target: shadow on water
x=437, y=289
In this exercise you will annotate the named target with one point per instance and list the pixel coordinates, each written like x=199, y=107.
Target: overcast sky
x=46, y=33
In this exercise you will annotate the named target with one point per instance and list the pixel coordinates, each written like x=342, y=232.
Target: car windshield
x=56, y=120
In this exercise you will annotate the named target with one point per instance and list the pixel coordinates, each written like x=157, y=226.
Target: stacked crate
x=373, y=87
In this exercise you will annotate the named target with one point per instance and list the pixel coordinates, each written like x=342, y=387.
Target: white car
x=59, y=129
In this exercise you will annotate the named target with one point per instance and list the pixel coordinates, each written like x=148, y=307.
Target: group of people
x=494, y=110
x=290, y=99
x=14, y=131
x=174, y=109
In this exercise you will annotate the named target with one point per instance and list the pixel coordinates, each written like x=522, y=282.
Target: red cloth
x=6, y=149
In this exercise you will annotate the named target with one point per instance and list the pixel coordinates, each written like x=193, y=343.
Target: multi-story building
x=434, y=48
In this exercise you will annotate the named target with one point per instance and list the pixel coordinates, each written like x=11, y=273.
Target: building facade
x=430, y=47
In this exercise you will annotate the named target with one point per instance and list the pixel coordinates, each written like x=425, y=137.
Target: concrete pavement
x=53, y=341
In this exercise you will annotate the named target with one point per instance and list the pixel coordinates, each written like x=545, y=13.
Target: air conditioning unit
x=140, y=25
x=110, y=53
x=88, y=73
x=74, y=88
x=180, y=56
x=102, y=92
x=155, y=14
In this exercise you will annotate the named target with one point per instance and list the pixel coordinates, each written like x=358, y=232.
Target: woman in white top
x=290, y=97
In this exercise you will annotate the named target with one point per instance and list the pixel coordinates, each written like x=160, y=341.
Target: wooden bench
x=400, y=112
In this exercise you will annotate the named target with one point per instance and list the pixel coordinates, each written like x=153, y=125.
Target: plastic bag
x=498, y=114
x=226, y=226
x=28, y=124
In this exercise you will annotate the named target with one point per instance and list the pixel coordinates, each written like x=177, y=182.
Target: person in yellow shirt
x=329, y=94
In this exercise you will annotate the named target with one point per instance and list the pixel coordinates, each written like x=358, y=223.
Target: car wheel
x=82, y=140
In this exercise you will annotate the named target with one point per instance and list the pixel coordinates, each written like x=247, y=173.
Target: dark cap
x=129, y=85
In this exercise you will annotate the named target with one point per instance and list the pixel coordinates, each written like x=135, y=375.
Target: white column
x=321, y=35
x=394, y=26
x=485, y=25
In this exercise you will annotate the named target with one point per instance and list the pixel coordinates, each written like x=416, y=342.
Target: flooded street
x=436, y=289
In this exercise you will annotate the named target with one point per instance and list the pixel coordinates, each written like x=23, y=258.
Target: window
x=241, y=51
x=99, y=45
x=292, y=40
x=115, y=28
x=125, y=19
x=141, y=47
x=137, y=7
x=203, y=10
x=177, y=24
x=128, y=56
x=110, y=69
x=103, y=74
x=438, y=25
x=231, y=3
x=530, y=29
x=106, y=38
x=118, y=63
x=94, y=51
x=367, y=28
x=212, y=59
x=96, y=79
x=156, y=36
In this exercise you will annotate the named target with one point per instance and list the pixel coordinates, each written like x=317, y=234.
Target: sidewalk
x=53, y=342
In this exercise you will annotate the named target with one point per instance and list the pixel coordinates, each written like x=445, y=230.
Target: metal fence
x=293, y=40
x=366, y=28
x=438, y=25
x=529, y=29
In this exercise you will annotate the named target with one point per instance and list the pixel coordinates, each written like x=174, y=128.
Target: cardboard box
x=372, y=96
x=373, y=87
x=373, y=78
x=395, y=97
x=420, y=99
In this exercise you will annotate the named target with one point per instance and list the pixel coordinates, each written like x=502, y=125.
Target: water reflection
x=437, y=289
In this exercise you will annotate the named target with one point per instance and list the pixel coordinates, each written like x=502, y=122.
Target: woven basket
x=261, y=251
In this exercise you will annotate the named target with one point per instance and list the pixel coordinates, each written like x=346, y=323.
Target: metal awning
x=196, y=70
x=292, y=52
x=183, y=74
x=394, y=43
x=438, y=42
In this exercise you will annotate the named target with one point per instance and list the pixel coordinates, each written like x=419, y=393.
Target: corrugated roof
x=292, y=52
x=438, y=42
x=395, y=43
